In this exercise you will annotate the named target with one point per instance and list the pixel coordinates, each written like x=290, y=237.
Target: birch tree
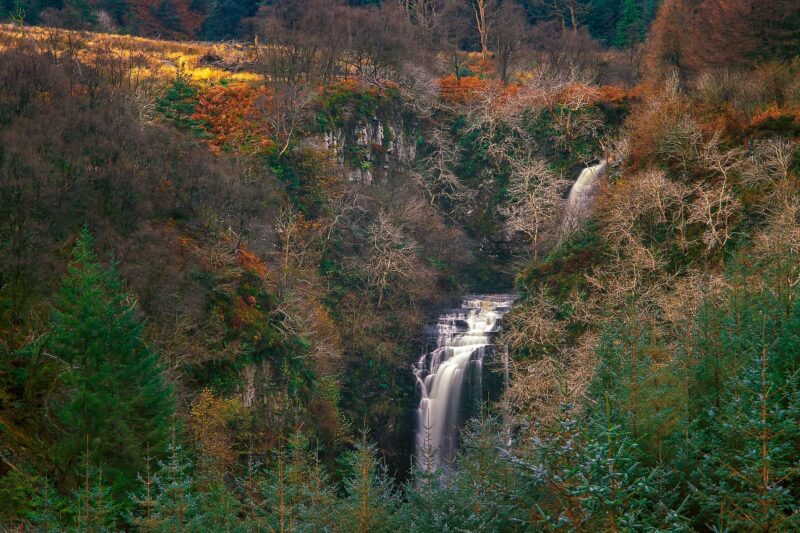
x=484, y=19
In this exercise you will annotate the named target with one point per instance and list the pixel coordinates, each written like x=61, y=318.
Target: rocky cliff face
x=370, y=147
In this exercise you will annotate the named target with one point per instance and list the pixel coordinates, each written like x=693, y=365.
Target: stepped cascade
x=580, y=197
x=449, y=376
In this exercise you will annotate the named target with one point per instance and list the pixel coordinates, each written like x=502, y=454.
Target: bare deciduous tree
x=299, y=309
x=541, y=387
x=633, y=213
x=292, y=59
x=561, y=9
x=509, y=39
x=392, y=254
x=769, y=169
x=715, y=205
x=716, y=208
x=532, y=326
x=438, y=178
x=484, y=11
x=535, y=193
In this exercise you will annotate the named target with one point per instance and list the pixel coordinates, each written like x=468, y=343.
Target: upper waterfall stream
x=580, y=197
x=449, y=376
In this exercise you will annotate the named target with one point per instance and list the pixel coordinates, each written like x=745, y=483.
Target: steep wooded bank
x=217, y=263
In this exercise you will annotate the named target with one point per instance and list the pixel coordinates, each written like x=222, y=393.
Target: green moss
x=562, y=271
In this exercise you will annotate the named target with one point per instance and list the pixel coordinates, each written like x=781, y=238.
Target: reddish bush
x=463, y=89
x=250, y=261
x=229, y=115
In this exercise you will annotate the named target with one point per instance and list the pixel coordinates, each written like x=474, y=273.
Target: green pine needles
x=116, y=402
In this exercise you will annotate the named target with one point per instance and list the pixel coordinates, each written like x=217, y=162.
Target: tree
x=371, y=501
x=297, y=493
x=614, y=487
x=392, y=255
x=210, y=418
x=484, y=11
x=452, y=31
x=694, y=35
x=94, y=509
x=225, y=17
x=179, y=102
x=169, y=15
x=535, y=198
x=509, y=38
x=167, y=500
x=629, y=27
x=749, y=471
x=745, y=404
x=438, y=179
x=118, y=404
x=289, y=64
x=561, y=9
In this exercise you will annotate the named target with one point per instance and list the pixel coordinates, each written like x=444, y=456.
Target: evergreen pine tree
x=642, y=393
x=629, y=26
x=225, y=16
x=749, y=472
x=93, y=507
x=167, y=499
x=117, y=9
x=371, y=501
x=649, y=11
x=179, y=103
x=485, y=481
x=430, y=502
x=615, y=489
x=480, y=490
x=550, y=465
x=297, y=493
x=169, y=16
x=218, y=507
x=49, y=508
x=117, y=402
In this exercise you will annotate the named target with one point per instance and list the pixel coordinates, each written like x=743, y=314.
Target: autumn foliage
x=181, y=22
x=251, y=262
x=691, y=36
x=463, y=89
x=210, y=418
x=775, y=117
x=229, y=115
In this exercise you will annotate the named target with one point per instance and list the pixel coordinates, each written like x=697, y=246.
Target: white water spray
x=451, y=371
x=580, y=197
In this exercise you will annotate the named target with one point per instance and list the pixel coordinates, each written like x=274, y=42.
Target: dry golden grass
x=157, y=57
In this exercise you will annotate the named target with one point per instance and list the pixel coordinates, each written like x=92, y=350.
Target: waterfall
x=580, y=197
x=449, y=376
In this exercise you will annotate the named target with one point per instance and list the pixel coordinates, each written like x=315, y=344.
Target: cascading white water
x=463, y=339
x=580, y=197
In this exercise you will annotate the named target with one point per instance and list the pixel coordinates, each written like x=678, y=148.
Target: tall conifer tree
x=117, y=402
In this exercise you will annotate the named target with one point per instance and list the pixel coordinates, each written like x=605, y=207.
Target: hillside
x=221, y=267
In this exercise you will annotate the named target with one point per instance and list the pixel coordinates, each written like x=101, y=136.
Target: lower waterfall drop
x=453, y=368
